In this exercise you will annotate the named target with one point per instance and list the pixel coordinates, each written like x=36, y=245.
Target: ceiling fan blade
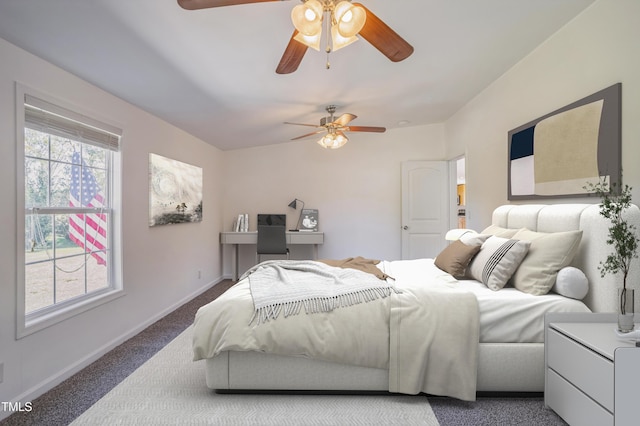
x=292, y=56
x=302, y=124
x=308, y=134
x=366, y=129
x=383, y=38
x=205, y=4
x=344, y=119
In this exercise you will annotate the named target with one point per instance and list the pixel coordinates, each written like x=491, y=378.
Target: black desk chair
x=271, y=240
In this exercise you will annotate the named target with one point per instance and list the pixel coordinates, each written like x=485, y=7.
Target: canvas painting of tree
x=175, y=191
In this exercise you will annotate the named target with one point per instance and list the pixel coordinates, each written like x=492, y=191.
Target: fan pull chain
x=328, y=33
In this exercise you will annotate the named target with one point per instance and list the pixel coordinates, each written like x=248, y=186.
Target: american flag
x=88, y=231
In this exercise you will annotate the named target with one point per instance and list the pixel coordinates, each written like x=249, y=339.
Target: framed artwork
x=175, y=191
x=309, y=220
x=558, y=154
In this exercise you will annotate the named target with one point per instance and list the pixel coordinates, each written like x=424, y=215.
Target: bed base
x=513, y=367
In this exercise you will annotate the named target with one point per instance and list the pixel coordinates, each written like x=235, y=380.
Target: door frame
x=453, y=184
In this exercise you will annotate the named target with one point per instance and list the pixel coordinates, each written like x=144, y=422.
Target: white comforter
x=427, y=336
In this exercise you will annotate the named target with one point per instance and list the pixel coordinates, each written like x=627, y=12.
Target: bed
x=508, y=354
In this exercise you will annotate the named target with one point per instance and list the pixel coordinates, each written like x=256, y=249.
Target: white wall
x=160, y=264
x=597, y=49
x=355, y=188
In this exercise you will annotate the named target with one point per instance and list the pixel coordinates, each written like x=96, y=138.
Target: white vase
x=625, y=309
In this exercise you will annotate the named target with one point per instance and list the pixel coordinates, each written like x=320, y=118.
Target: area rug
x=170, y=389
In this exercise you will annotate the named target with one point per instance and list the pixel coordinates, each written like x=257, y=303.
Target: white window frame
x=27, y=324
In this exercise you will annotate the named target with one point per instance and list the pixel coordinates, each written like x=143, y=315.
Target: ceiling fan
x=345, y=18
x=335, y=128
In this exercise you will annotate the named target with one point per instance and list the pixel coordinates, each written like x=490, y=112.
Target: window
x=71, y=255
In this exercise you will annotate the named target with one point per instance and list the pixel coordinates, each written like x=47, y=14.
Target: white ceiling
x=212, y=72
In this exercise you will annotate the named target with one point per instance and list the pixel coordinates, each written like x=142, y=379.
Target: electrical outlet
x=199, y=274
x=1, y=371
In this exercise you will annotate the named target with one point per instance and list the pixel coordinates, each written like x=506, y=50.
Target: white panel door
x=425, y=208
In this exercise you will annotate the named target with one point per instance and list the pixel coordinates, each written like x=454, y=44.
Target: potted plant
x=622, y=236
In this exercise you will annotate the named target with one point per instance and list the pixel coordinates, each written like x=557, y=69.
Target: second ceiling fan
x=335, y=128
x=345, y=20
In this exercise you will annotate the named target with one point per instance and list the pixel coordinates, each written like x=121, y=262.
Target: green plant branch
x=622, y=235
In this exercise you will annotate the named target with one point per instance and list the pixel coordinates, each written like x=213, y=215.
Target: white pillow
x=476, y=239
x=548, y=253
x=497, y=260
x=499, y=231
x=571, y=282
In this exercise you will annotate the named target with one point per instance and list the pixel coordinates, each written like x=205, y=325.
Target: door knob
x=405, y=227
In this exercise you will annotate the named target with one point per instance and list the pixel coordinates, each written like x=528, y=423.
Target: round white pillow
x=571, y=282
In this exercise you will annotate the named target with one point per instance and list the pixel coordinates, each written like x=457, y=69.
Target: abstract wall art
x=557, y=155
x=175, y=191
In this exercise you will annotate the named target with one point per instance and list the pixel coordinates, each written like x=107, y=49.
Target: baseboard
x=53, y=381
x=496, y=394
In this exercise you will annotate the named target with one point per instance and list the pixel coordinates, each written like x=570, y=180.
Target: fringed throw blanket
x=287, y=286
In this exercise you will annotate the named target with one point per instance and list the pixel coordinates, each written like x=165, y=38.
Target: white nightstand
x=591, y=376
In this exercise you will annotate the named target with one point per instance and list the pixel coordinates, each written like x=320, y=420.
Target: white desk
x=237, y=238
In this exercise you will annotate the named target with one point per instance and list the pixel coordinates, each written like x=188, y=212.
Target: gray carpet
x=63, y=404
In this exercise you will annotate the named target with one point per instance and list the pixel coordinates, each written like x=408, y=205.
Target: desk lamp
x=293, y=205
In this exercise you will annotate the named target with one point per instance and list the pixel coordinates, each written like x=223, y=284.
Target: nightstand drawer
x=582, y=367
x=563, y=398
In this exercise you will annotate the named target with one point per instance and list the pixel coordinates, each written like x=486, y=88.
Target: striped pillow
x=497, y=260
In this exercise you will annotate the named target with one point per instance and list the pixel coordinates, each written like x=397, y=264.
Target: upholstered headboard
x=593, y=246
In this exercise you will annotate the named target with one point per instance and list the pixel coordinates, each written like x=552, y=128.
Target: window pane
x=65, y=247
x=60, y=184
x=94, y=156
x=36, y=182
x=89, y=232
x=38, y=281
x=95, y=196
x=97, y=277
x=70, y=273
x=38, y=236
x=87, y=186
x=62, y=149
x=38, y=266
x=36, y=144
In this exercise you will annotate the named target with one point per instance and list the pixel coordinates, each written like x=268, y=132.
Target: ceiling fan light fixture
x=333, y=140
x=313, y=41
x=338, y=41
x=307, y=18
x=349, y=19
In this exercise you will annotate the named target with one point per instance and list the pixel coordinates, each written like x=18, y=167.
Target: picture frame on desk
x=309, y=220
